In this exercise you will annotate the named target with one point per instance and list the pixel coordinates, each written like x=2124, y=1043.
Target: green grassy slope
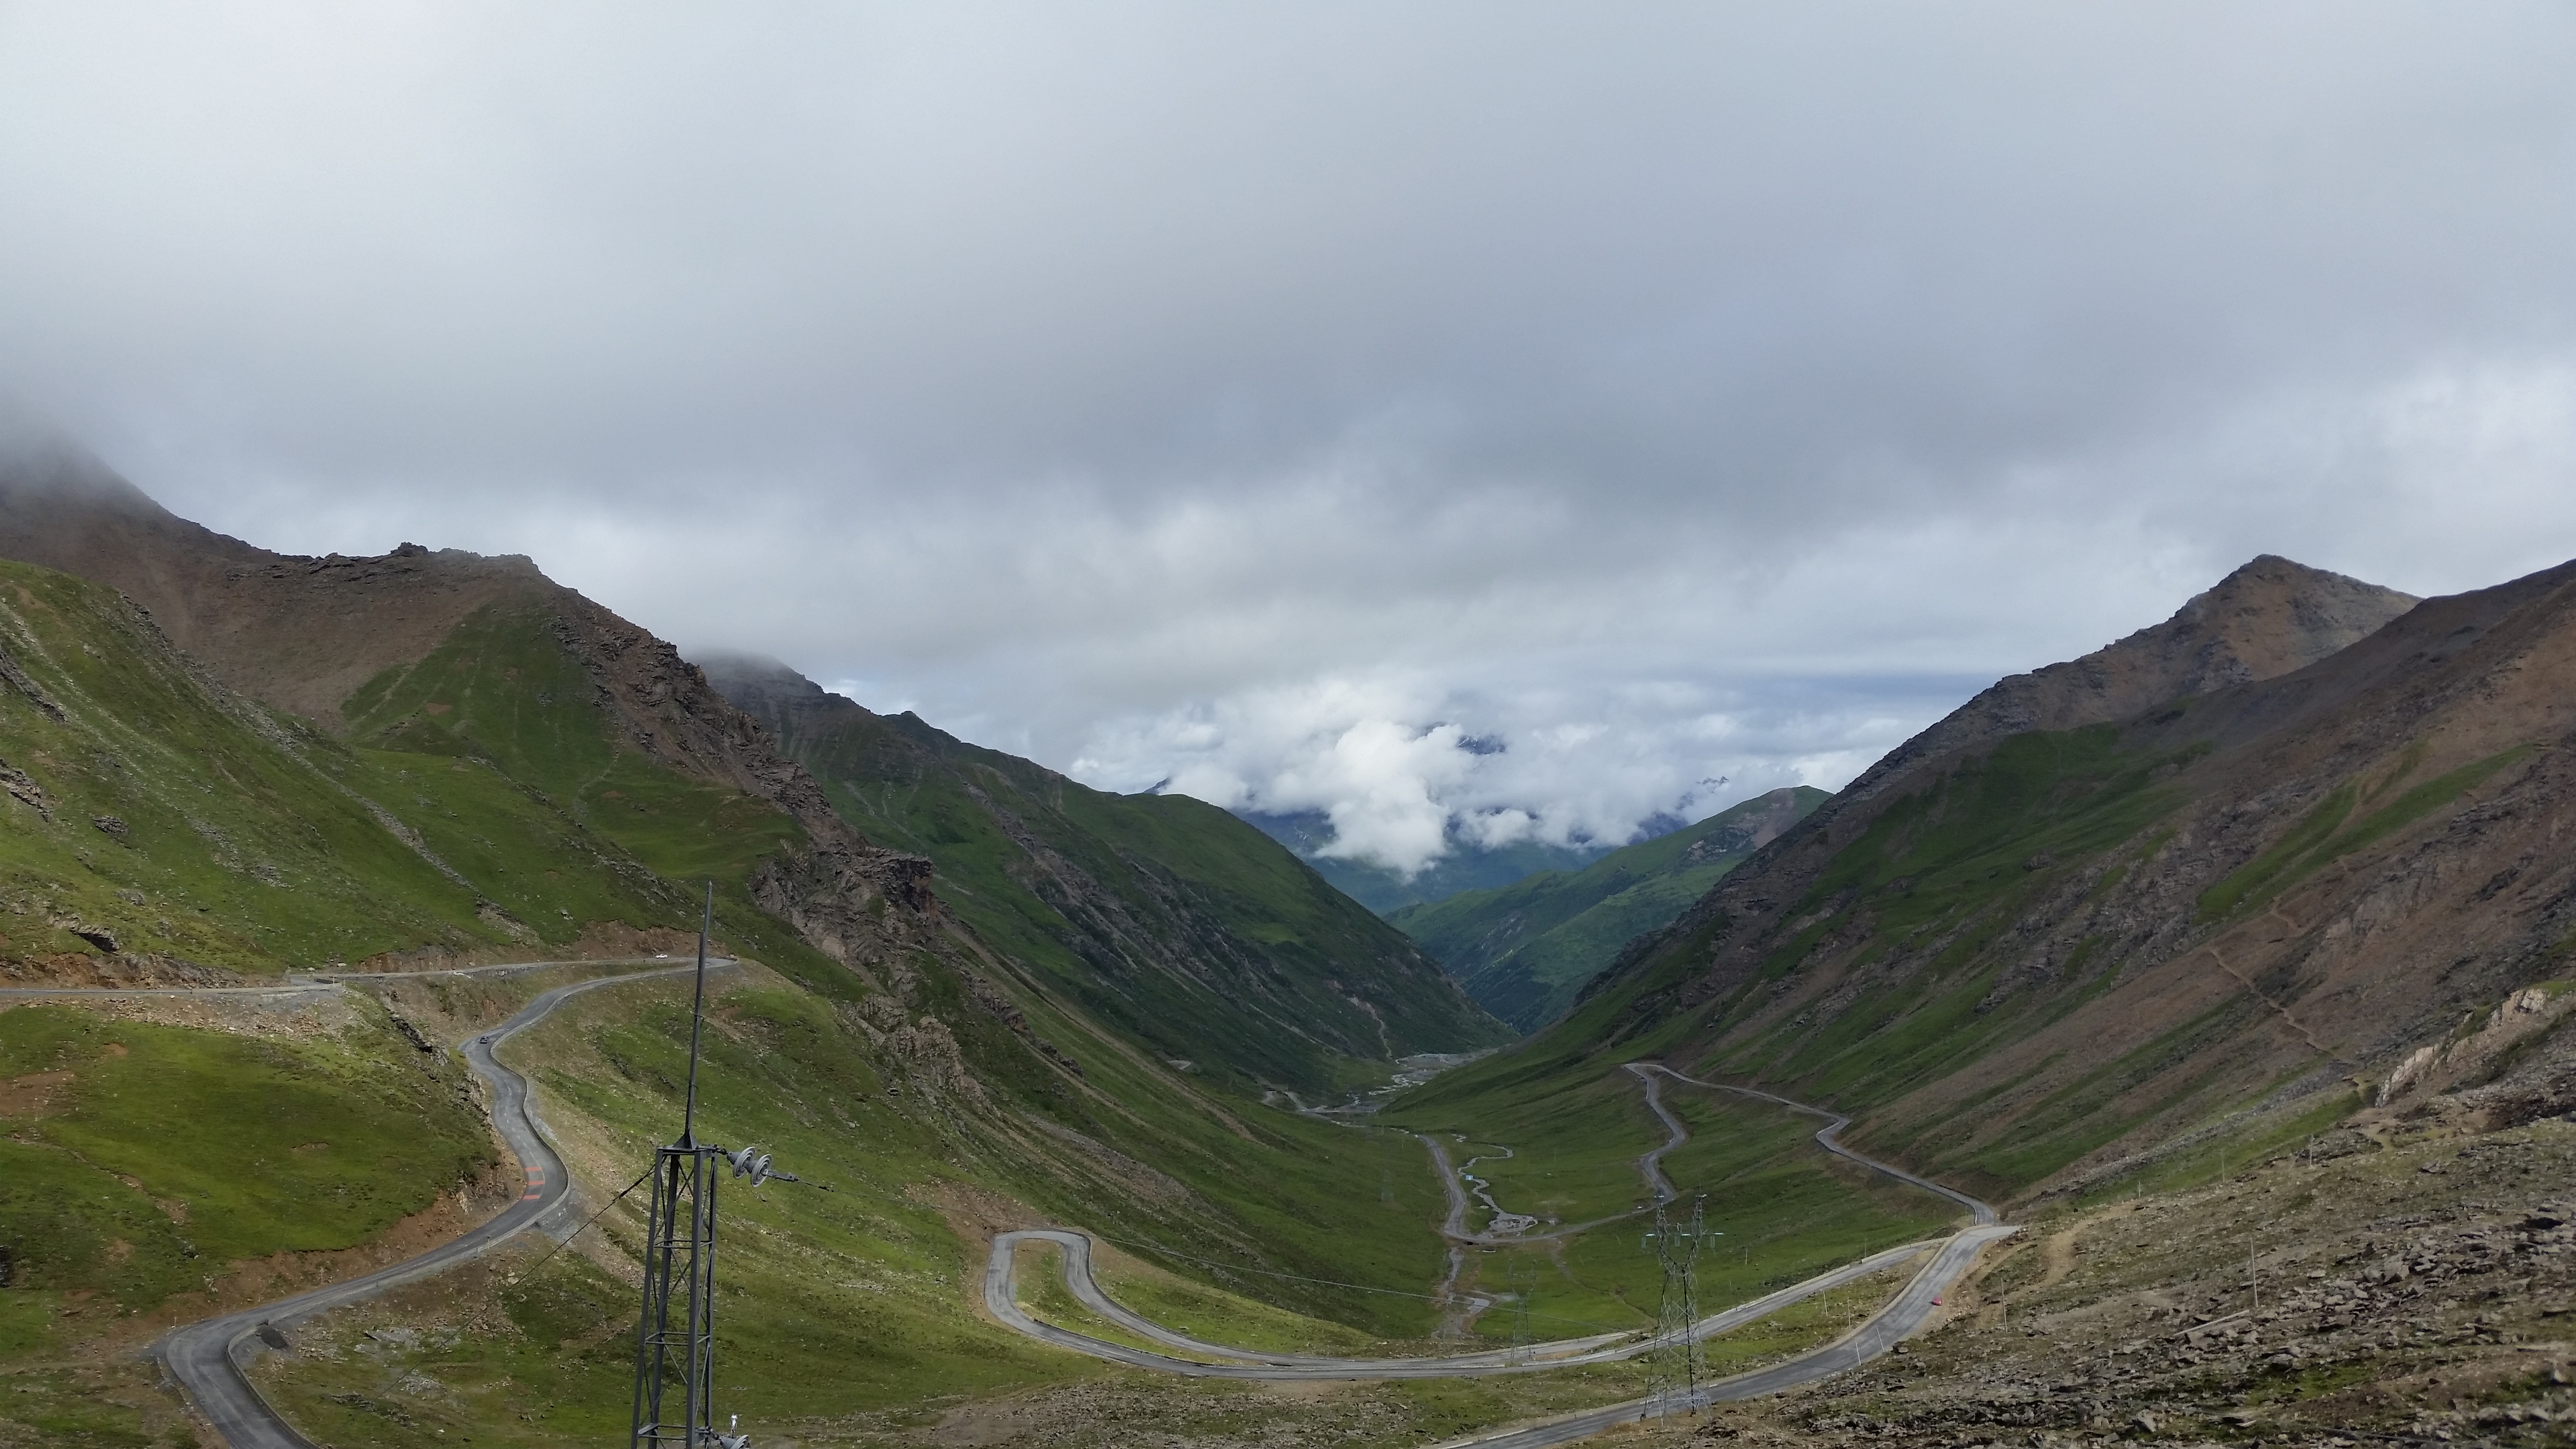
x=1162, y=916
x=1936, y=881
x=857, y=1300
x=140, y=1159
x=484, y=802
x=1523, y=951
x=189, y=825
x=1787, y=1209
x=2056, y=959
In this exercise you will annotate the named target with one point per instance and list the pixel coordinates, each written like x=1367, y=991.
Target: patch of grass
x=1217, y=1316
x=64, y=1408
x=2328, y=833
x=167, y=1152
x=1788, y=1210
x=2252, y=1143
x=26, y=1322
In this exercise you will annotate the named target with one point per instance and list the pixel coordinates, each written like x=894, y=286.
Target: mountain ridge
x=2027, y=959
x=1112, y=895
x=1525, y=950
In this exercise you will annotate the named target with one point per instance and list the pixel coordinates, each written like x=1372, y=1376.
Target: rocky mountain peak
x=2271, y=617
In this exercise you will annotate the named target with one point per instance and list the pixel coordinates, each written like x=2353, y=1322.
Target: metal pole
x=697, y=1022
x=692, y=1398
x=657, y=1304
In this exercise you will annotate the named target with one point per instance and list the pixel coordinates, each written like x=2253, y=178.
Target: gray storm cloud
x=1241, y=395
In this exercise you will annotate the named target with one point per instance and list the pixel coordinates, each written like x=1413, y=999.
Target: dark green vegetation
x=140, y=1160
x=1163, y=917
x=1524, y=950
x=1466, y=866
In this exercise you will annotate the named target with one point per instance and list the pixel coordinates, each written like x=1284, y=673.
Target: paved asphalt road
x=1979, y=1213
x=1903, y=1315
x=201, y=1356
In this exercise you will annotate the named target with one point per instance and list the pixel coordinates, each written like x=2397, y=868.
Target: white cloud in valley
x=1476, y=418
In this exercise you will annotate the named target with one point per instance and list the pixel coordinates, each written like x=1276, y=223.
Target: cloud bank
x=1271, y=399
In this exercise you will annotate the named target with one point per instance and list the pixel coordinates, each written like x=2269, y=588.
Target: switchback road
x=1902, y=1316
x=202, y=1356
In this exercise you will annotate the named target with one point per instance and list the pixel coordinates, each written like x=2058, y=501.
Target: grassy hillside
x=1164, y=917
x=1565, y=1149
x=1523, y=951
x=2060, y=958
x=162, y=817
x=490, y=799
x=142, y=1159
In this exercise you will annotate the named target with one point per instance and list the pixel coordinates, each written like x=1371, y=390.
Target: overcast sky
x=1516, y=416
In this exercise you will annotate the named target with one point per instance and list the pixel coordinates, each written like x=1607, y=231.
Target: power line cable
x=577, y=1232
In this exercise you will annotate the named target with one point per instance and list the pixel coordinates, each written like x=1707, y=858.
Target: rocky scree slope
x=1525, y=950
x=1164, y=916
x=2050, y=959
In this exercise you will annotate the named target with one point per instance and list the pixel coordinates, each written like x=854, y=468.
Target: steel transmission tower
x=1677, y=1363
x=1522, y=1275
x=675, y=1346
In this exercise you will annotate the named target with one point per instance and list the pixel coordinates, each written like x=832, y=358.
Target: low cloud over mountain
x=1667, y=393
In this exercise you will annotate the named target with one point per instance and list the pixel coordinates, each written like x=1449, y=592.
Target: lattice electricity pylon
x=1522, y=1276
x=675, y=1351
x=1677, y=1361
x=675, y=1347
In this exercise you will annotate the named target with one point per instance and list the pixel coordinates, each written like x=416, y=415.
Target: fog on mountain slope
x=1464, y=864
x=1525, y=950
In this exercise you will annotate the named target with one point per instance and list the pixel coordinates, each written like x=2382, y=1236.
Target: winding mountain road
x=1981, y=1214
x=201, y=1356
x=1902, y=1316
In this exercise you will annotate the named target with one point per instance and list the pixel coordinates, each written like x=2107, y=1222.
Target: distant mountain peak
x=2270, y=617
x=41, y=468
